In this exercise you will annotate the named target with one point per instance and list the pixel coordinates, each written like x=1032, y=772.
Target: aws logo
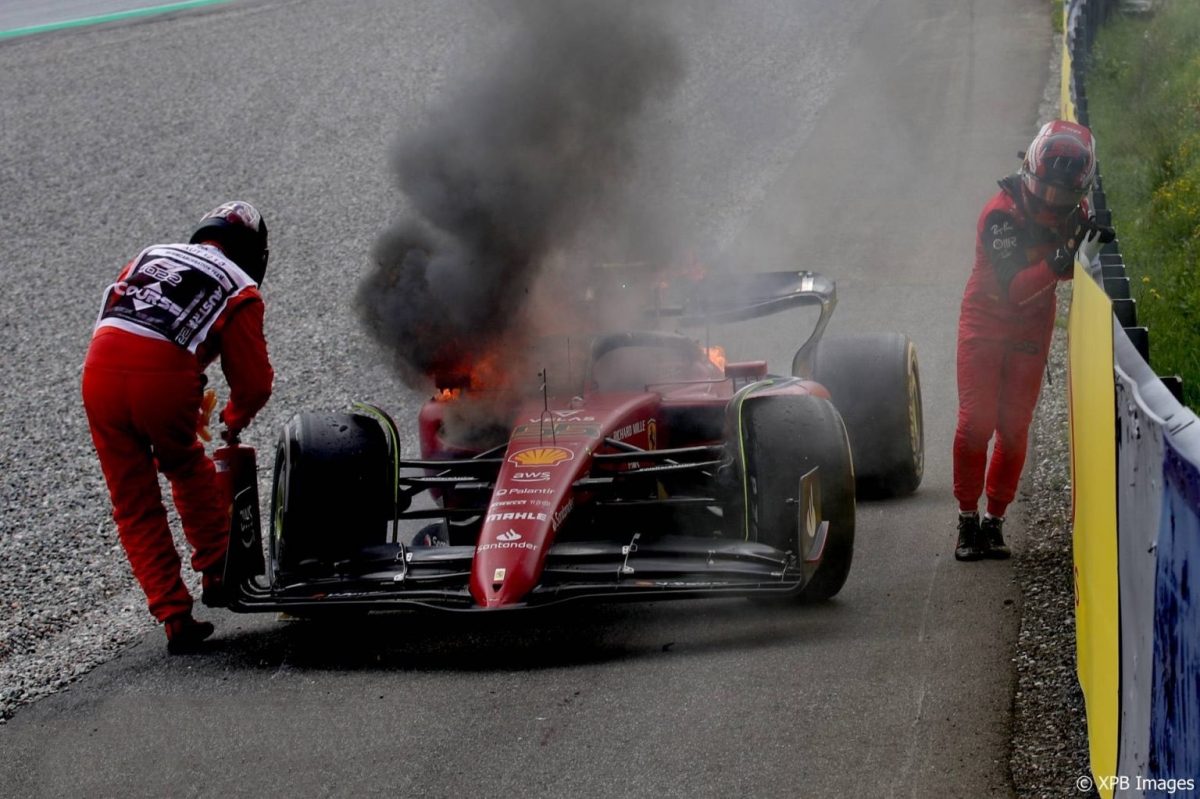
x=541, y=456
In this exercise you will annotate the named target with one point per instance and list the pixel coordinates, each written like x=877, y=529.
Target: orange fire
x=490, y=372
x=716, y=355
x=692, y=268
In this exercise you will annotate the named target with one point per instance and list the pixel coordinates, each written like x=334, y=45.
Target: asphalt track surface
x=856, y=138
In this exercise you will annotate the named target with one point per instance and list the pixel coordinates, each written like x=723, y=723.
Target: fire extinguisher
x=235, y=463
x=236, y=470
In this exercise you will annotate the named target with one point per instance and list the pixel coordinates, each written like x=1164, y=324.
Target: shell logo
x=541, y=456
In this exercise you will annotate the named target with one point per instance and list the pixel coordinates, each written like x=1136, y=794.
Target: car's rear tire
x=875, y=384
x=331, y=494
x=784, y=438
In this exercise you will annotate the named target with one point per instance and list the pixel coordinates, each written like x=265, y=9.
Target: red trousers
x=142, y=399
x=998, y=384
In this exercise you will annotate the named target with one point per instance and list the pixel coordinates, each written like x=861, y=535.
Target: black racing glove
x=1107, y=233
x=1090, y=225
x=1062, y=261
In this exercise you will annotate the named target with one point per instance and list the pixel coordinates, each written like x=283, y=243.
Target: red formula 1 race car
x=666, y=475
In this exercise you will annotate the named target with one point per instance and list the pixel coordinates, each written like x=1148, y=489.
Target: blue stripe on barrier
x=1175, y=711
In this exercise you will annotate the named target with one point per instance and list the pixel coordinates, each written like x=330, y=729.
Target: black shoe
x=991, y=538
x=968, y=537
x=185, y=635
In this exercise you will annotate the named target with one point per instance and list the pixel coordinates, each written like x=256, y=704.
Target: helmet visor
x=1053, y=195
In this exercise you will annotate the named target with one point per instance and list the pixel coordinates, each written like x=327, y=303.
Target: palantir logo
x=511, y=535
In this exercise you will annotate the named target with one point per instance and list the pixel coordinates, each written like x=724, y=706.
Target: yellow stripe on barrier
x=1067, y=104
x=1093, y=477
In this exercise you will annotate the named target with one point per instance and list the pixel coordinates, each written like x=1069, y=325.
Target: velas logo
x=541, y=456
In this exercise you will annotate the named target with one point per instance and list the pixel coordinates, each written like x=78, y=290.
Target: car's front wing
x=436, y=578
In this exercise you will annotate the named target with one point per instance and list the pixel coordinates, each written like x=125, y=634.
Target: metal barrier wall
x=1137, y=617
x=1159, y=532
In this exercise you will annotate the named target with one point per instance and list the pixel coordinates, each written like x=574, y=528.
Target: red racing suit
x=1004, y=332
x=171, y=312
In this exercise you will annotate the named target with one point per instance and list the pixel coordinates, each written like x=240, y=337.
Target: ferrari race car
x=667, y=475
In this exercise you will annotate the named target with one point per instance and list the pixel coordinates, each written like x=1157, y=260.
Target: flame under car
x=670, y=473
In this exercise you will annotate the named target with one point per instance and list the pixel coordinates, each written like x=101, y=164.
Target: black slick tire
x=875, y=384
x=784, y=438
x=331, y=494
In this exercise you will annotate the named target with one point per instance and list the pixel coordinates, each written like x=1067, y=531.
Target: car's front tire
x=785, y=437
x=331, y=494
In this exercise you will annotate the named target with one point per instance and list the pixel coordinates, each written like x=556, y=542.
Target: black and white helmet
x=241, y=232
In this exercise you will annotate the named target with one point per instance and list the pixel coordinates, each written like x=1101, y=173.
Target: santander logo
x=510, y=539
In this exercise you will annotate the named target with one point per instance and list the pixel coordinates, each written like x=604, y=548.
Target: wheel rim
x=279, y=502
x=916, y=433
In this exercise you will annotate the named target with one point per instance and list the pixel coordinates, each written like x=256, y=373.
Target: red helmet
x=1060, y=164
x=239, y=229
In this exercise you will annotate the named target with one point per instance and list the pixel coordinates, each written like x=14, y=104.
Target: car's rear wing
x=722, y=297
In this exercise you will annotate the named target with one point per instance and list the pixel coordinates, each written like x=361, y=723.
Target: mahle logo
x=541, y=456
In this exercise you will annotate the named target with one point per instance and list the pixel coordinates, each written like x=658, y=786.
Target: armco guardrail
x=1135, y=457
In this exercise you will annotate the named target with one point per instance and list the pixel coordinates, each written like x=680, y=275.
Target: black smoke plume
x=539, y=166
